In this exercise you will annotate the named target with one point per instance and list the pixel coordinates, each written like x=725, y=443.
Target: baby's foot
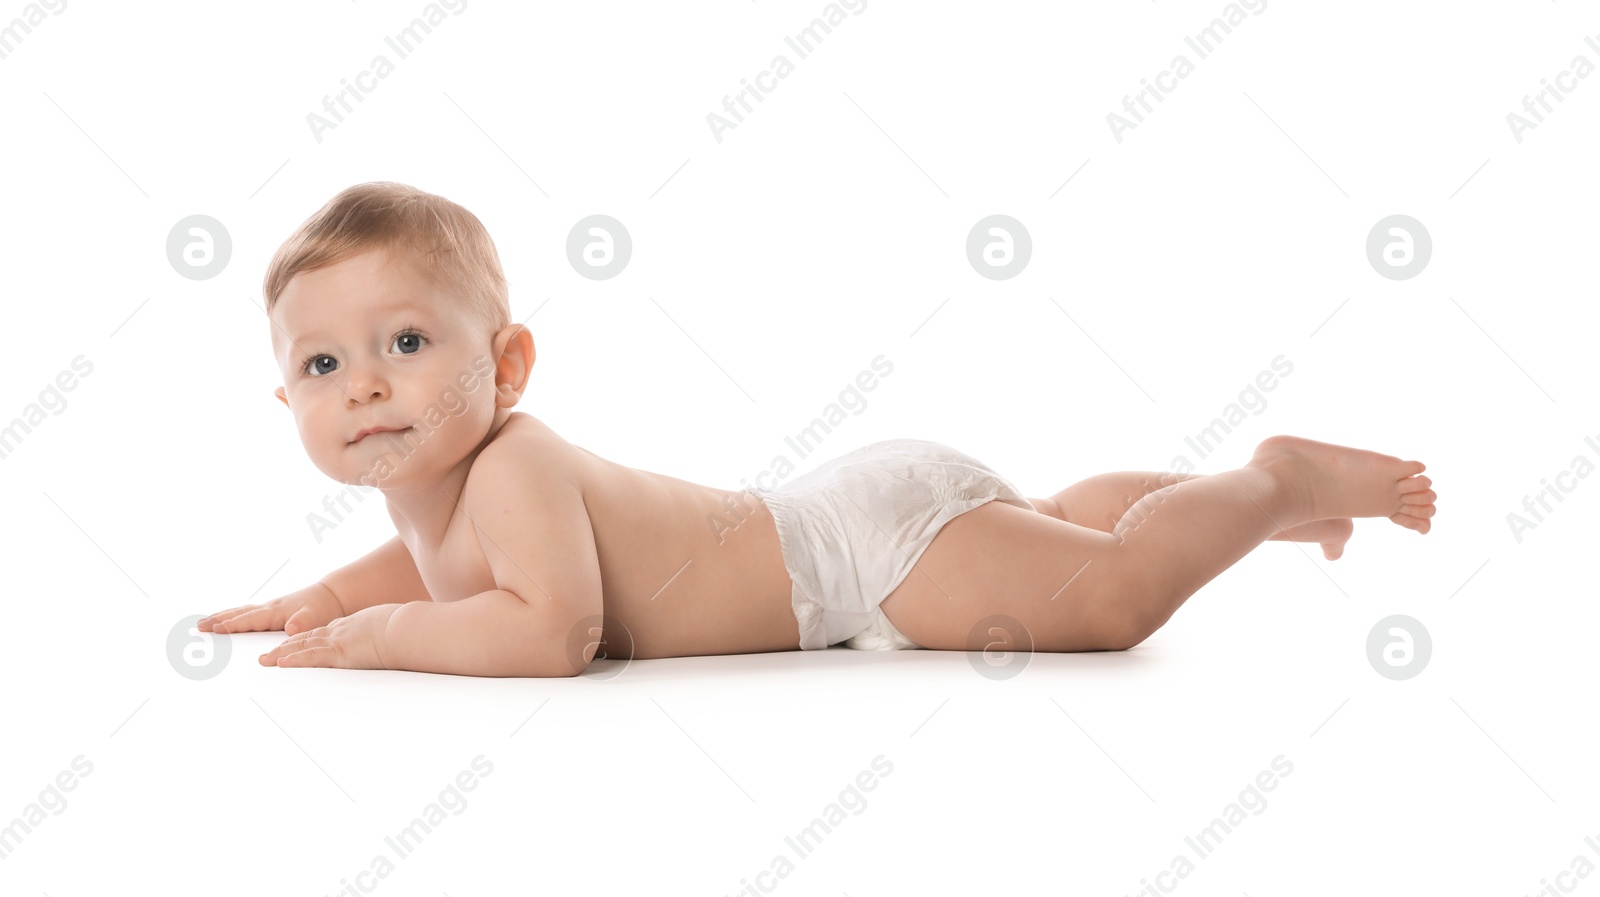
x=1331, y=534
x=1336, y=481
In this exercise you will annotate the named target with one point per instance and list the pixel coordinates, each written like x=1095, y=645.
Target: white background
x=768, y=270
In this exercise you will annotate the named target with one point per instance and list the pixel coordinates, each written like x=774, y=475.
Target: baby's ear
x=281, y=397
x=511, y=370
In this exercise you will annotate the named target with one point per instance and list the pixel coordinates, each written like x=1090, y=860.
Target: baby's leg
x=1077, y=588
x=1101, y=501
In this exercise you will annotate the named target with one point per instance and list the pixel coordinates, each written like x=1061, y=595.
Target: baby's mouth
x=381, y=433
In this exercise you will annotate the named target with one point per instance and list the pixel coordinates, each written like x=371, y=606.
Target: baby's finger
x=315, y=656
x=206, y=623
x=292, y=644
x=300, y=621
x=249, y=619
x=316, y=638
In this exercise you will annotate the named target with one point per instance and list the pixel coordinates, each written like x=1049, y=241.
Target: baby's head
x=389, y=309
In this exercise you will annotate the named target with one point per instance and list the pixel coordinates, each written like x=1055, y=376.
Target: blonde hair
x=450, y=242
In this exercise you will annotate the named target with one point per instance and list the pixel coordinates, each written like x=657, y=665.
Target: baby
x=520, y=554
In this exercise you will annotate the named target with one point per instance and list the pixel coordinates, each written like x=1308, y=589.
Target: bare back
x=672, y=571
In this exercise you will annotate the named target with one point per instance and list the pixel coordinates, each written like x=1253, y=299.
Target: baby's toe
x=1411, y=521
x=1414, y=484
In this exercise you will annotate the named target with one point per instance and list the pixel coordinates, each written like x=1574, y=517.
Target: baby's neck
x=423, y=515
x=422, y=511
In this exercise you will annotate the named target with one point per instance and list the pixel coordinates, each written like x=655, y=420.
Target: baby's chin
x=405, y=479
x=377, y=463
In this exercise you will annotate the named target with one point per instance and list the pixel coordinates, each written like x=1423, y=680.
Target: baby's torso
x=687, y=569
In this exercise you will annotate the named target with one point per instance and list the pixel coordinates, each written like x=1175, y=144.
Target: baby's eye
x=412, y=338
x=410, y=342
x=312, y=363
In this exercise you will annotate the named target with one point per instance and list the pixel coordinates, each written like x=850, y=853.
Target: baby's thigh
x=1001, y=559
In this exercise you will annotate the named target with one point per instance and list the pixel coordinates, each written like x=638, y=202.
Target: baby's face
x=373, y=342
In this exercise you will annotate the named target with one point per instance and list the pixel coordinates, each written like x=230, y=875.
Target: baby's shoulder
x=524, y=446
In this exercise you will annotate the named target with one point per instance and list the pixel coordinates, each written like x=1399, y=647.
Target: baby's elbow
x=561, y=662
x=570, y=649
x=563, y=652
x=545, y=661
x=543, y=665
x=570, y=659
x=538, y=641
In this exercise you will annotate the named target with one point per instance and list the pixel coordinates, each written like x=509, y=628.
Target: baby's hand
x=355, y=642
x=300, y=611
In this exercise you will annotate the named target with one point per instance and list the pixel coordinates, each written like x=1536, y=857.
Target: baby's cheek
x=452, y=402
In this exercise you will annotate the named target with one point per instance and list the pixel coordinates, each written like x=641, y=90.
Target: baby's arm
x=386, y=575
x=542, y=619
x=533, y=527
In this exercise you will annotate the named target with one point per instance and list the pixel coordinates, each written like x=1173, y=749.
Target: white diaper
x=852, y=529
